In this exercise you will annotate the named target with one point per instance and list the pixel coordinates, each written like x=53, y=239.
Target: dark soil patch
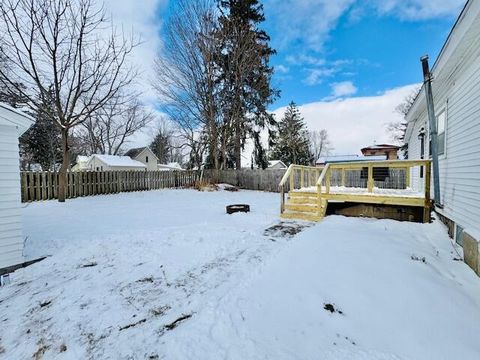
x=45, y=303
x=175, y=323
x=285, y=230
x=87, y=265
x=132, y=325
x=160, y=311
x=417, y=258
x=332, y=309
x=146, y=280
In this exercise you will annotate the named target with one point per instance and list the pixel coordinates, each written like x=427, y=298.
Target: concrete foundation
x=471, y=254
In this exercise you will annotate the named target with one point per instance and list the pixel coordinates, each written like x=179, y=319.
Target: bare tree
x=186, y=74
x=319, y=143
x=397, y=128
x=70, y=45
x=108, y=129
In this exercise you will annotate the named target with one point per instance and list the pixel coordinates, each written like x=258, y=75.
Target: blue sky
x=358, y=55
x=346, y=63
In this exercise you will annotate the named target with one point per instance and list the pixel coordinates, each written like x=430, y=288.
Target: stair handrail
x=286, y=175
x=322, y=177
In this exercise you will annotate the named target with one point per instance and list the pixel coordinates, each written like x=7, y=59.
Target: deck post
x=292, y=179
x=327, y=181
x=302, y=177
x=426, y=208
x=407, y=177
x=343, y=176
x=370, y=178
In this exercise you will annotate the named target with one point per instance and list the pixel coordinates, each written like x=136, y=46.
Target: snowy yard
x=168, y=275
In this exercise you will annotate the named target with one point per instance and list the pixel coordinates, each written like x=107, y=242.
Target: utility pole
x=432, y=122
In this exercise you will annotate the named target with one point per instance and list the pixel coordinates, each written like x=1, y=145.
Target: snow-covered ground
x=168, y=275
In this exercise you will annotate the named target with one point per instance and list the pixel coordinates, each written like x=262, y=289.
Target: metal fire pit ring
x=238, y=208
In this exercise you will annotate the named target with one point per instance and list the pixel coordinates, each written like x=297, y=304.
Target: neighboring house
x=13, y=123
x=81, y=163
x=113, y=163
x=456, y=95
x=145, y=156
x=322, y=160
x=276, y=164
x=170, y=166
x=390, y=151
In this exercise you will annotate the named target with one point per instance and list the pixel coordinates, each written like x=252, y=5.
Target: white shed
x=99, y=162
x=13, y=123
x=456, y=89
x=145, y=155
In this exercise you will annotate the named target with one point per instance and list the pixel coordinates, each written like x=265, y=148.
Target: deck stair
x=304, y=206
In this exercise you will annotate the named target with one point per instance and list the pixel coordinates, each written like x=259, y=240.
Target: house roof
x=115, y=160
x=133, y=153
x=380, y=147
x=82, y=158
x=272, y=163
x=170, y=166
x=453, y=48
x=348, y=158
x=15, y=117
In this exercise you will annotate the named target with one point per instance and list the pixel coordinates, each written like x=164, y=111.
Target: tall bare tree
x=320, y=144
x=186, y=74
x=109, y=128
x=70, y=45
x=397, y=128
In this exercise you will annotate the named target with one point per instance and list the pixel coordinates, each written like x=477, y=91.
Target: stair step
x=304, y=194
x=301, y=216
x=310, y=208
x=302, y=200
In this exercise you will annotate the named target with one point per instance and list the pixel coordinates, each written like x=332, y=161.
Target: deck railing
x=359, y=180
x=297, y=177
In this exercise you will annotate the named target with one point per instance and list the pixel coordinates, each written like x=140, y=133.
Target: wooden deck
x=310, y=189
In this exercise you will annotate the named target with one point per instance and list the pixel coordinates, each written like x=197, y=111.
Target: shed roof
x=116, y=160
x=272, y=163
x=15, y=117
x=133, y=153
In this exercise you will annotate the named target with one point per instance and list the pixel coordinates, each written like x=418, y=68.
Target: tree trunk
x=62, y=174
x=238, y=146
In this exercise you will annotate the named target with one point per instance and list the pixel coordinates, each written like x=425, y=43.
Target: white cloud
x=304, y=59
x=305, y=21
x=418, y=9
x=344, y=88
x=282, y=69
x=141, y=20
x=354, y=122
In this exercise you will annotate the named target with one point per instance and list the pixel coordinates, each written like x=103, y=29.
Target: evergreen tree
x=244, y=77
x=161, y=145
x=41, y=143
x=292, y=145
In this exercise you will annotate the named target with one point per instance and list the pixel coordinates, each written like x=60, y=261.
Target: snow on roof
x=15, y=117
x=82, y=158
x=116, y=160
x=170, y=166
x=349, y=158
x=272, y=163
x=381, y=146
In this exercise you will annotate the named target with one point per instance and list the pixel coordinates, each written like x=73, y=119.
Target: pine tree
x=292, y=145
x=41, y=143
x=245, y=75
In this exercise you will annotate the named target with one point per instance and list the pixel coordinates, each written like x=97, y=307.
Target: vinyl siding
x=456, y=88
x=11, y=239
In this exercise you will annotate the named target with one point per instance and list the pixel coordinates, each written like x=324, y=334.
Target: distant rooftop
x=115, y=160
x=381, y=147
x=348, y=158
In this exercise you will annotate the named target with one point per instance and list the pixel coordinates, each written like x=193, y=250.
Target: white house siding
x=456, y=88
x=152, y=163
x=11, y=239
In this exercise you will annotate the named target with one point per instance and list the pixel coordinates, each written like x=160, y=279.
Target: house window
x=441, y=132
x=441, y=125
x=146, y=159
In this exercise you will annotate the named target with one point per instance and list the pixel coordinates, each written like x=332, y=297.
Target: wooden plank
x=370, y=181
x=374, y=199
x=426, y=206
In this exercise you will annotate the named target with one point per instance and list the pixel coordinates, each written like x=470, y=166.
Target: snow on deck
x=168, y=275
x=409, y=192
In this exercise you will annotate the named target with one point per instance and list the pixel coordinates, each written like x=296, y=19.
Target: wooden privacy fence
x=249, y=179
x=43, y=185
